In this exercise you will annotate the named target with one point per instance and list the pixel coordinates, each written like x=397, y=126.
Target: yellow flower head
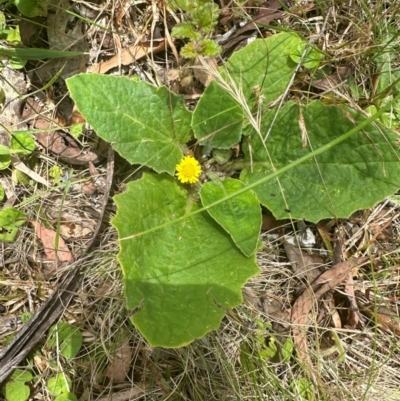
x=188, y=170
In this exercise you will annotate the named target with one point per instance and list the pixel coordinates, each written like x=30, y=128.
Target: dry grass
x=231, y=363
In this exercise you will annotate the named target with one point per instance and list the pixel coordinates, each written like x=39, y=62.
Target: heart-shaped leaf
x=183, y=276
x=68, y=337
x=10, y=220
x=23, y=143
x=146, y=125
x=59, y=384
x=16, y=389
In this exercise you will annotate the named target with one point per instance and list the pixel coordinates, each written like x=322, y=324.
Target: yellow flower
x=188, y=170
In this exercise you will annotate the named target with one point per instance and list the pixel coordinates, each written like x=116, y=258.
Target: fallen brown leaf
x=384, y=315
x=270, y=223
x=66, y=148
x=334, y=80
x=40, y=363
x=57, y=142
x=334, y=315
x=389, y=319
x=201, y=73
x=303, y=305
x=305, y=266
x=130, y=55
x=119, y=367
x=252, y=298
x=48, y=238
x=76, y=117
x=266, y=13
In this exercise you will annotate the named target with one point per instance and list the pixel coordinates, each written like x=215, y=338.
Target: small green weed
x=10, y=221
x=200, y=22
x=67, y=338
x=16, y=388
x=59, y=386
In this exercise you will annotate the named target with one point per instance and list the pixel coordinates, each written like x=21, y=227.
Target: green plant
x=59, y=386
x=200, y=21
x=10, y=220
x=303, y=388
x=183, y=264
x=22, y=144
x=29, y=8
x=11, y=35
x=15, y=388
x=388, y=76
x=67, y=338
x=55, y=172
x=269, y=349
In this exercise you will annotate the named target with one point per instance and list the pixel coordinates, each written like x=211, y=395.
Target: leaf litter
x=278, y=291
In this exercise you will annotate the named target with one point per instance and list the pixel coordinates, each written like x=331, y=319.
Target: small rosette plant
x=201, y=18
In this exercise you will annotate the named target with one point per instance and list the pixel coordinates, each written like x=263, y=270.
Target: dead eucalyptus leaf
x=119, y=367
x=130, y=55
x=303, y=305
x=48, y=238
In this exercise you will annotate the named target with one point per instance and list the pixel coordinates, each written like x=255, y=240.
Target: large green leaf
x=182, y=277
x=259, y=73
x=263, y=65
x=217, y=118
x=386, y=60
x=356, y=174
x=59, y=384
x=32, y=8
x=147, y=125
x=239, y=216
